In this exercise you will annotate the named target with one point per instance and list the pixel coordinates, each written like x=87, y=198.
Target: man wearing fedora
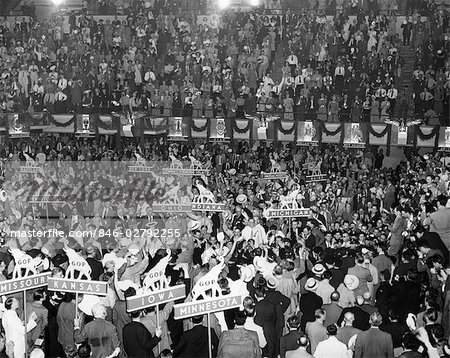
x=309, y=302
x=281, y=303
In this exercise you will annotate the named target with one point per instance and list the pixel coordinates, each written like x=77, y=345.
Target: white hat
x=193, y=225
x=311, y=284
x=232, y=171
x=318, y=269
x=247, y=272
x=272, y=282
x=241, y=199
x=351, y=281
x=126, y=284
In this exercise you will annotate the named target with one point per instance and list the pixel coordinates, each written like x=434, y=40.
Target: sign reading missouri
x=24, y=283
x=78, y=286
x=151, y=299
x=287, y=213
x=210, y=305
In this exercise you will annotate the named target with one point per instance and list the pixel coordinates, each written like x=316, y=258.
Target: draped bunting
x=286, y=131
x=424, y=137
x=321, y=128
x=235, y=128
x=203, y=128
x=242, y=130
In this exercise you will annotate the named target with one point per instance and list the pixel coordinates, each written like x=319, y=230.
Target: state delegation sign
x=151, y=299
x=98, y=288
x=287, y=213
x=24, y=283
x=210, y=305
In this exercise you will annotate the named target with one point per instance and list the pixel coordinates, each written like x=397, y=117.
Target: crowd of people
x=158, y=58
x=364, y=272
x=372, y=250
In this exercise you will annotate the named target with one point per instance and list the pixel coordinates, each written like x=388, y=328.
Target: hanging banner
x=444, y=138
x=199, y=128
x=177, y=128
x=85, y=127
x=219, y=130
x=242, y=128
x=421, y=142
x=334, y=138
x=376, y=140
x=306, y=134
x=105, y=125
x=353, y=136
x=286, y=131
x=18, y=126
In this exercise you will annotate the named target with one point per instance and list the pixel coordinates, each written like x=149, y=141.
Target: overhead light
x=57, y=2
x=254, y=2
x=223, y=4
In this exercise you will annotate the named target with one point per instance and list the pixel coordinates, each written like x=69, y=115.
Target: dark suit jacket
x=281, y=303
x=138, y=341
x=309, y=302
x=288, y=342
x=374, y=343
x=194, y=343
x=361, y=317
x=333, y=311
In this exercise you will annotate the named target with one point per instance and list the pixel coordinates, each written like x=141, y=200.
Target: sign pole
x=208, y=319
x=26, y=320
x=158, y=323
x=76, y=305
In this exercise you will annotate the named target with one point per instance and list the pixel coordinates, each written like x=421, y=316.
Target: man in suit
x=289, y=341
x=363, y=274
x=239, y=342
x=316, y=330
x=361, y=317
x=332, y=309
x=281, y=303
x=309, y=302
x=137, y=340
x=439, y=220
x=194, y=342
x=374, y=342
x=301, y=351
x=396, y=230
x=266, y=317
x=347, y=331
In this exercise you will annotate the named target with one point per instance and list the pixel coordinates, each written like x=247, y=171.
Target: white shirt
x=252, y=326
x=331, y=348
x=292, y=60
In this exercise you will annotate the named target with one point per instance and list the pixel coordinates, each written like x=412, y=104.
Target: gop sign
x=153, y=298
